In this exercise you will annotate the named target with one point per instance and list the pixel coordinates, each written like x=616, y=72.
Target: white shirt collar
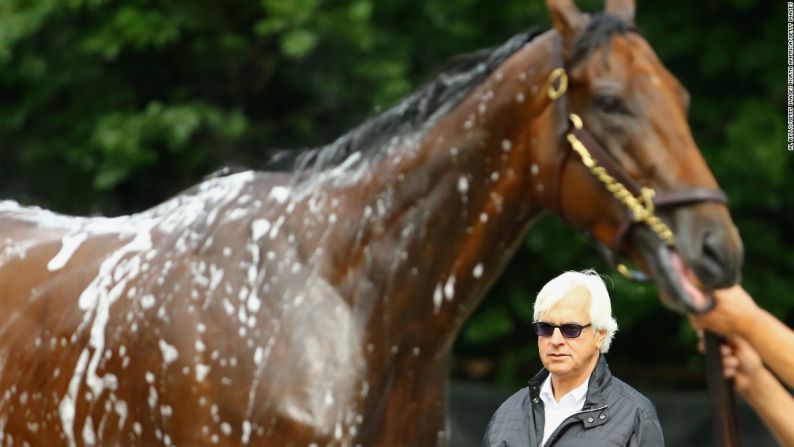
x=575, y=397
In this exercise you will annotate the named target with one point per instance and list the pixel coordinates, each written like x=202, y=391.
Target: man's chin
x=558, y=367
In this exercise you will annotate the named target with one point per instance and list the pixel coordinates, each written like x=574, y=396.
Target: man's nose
x=556, y=336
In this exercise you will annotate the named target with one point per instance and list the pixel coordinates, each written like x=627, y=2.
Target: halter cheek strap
x=641, y=202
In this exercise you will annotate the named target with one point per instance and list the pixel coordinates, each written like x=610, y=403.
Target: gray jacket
x=614, y=414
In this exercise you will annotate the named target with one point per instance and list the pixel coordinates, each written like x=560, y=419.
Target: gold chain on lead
x=641, y=207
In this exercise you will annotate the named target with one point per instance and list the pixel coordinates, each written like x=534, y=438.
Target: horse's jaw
x=679, y=287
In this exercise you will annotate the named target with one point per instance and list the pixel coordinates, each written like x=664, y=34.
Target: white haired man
x=574, y=400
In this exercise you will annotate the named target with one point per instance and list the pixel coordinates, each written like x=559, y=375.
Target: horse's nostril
x=709, y=250
x=713, y=268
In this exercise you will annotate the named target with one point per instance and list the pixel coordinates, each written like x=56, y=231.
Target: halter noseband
x=640, y=201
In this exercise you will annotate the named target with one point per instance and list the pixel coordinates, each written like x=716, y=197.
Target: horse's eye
x=609, y=104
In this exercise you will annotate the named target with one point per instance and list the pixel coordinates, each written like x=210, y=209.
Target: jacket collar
x=600, y=378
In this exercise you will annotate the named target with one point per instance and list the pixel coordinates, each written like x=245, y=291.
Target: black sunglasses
x=568, y=330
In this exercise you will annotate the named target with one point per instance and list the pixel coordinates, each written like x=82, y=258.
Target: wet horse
x=318, y=307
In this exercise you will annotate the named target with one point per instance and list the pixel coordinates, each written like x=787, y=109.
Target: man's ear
x=600, y=336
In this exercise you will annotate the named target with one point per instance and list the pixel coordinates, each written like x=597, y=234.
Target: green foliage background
x=112, y=106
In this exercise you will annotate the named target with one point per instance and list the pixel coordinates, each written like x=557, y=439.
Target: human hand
x=740, y=362
x=734, y=306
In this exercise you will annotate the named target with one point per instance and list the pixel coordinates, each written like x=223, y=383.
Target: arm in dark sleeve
x=508, y=423
x=647, y=431
x=486, y=439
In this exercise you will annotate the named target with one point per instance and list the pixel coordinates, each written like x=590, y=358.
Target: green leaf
x=489, y=326
x=298, y=43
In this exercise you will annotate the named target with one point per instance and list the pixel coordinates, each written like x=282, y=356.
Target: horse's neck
x=461, y=199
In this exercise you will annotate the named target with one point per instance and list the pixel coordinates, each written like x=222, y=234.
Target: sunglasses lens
x=571, y=330
x=543, y=329
x=568, y=330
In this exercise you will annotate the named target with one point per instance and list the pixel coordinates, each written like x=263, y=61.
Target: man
x=574, y=400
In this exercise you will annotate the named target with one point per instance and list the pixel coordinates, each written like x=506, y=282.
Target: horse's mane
x=411, y=115
x=598, y=33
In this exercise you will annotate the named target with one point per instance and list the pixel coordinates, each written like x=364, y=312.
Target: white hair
x=600, y=305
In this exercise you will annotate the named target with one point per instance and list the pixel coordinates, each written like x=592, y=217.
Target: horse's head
x=635, y=110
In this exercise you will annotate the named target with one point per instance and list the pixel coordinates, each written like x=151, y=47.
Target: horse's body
x=272, y=309
x=257, y=307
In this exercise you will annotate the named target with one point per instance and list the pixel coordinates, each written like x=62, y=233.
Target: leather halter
x=641, y=202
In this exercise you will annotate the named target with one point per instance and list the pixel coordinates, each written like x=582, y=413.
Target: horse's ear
x=568, y=21
x=624, y=9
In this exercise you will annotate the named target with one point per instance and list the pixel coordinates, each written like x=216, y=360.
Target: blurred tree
x=111, y=107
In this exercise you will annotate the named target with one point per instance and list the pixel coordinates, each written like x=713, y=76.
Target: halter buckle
x=559, y=77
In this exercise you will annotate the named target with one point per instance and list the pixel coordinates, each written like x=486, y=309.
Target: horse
x=318, y=307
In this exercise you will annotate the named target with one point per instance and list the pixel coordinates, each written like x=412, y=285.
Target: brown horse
x=319, y=307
